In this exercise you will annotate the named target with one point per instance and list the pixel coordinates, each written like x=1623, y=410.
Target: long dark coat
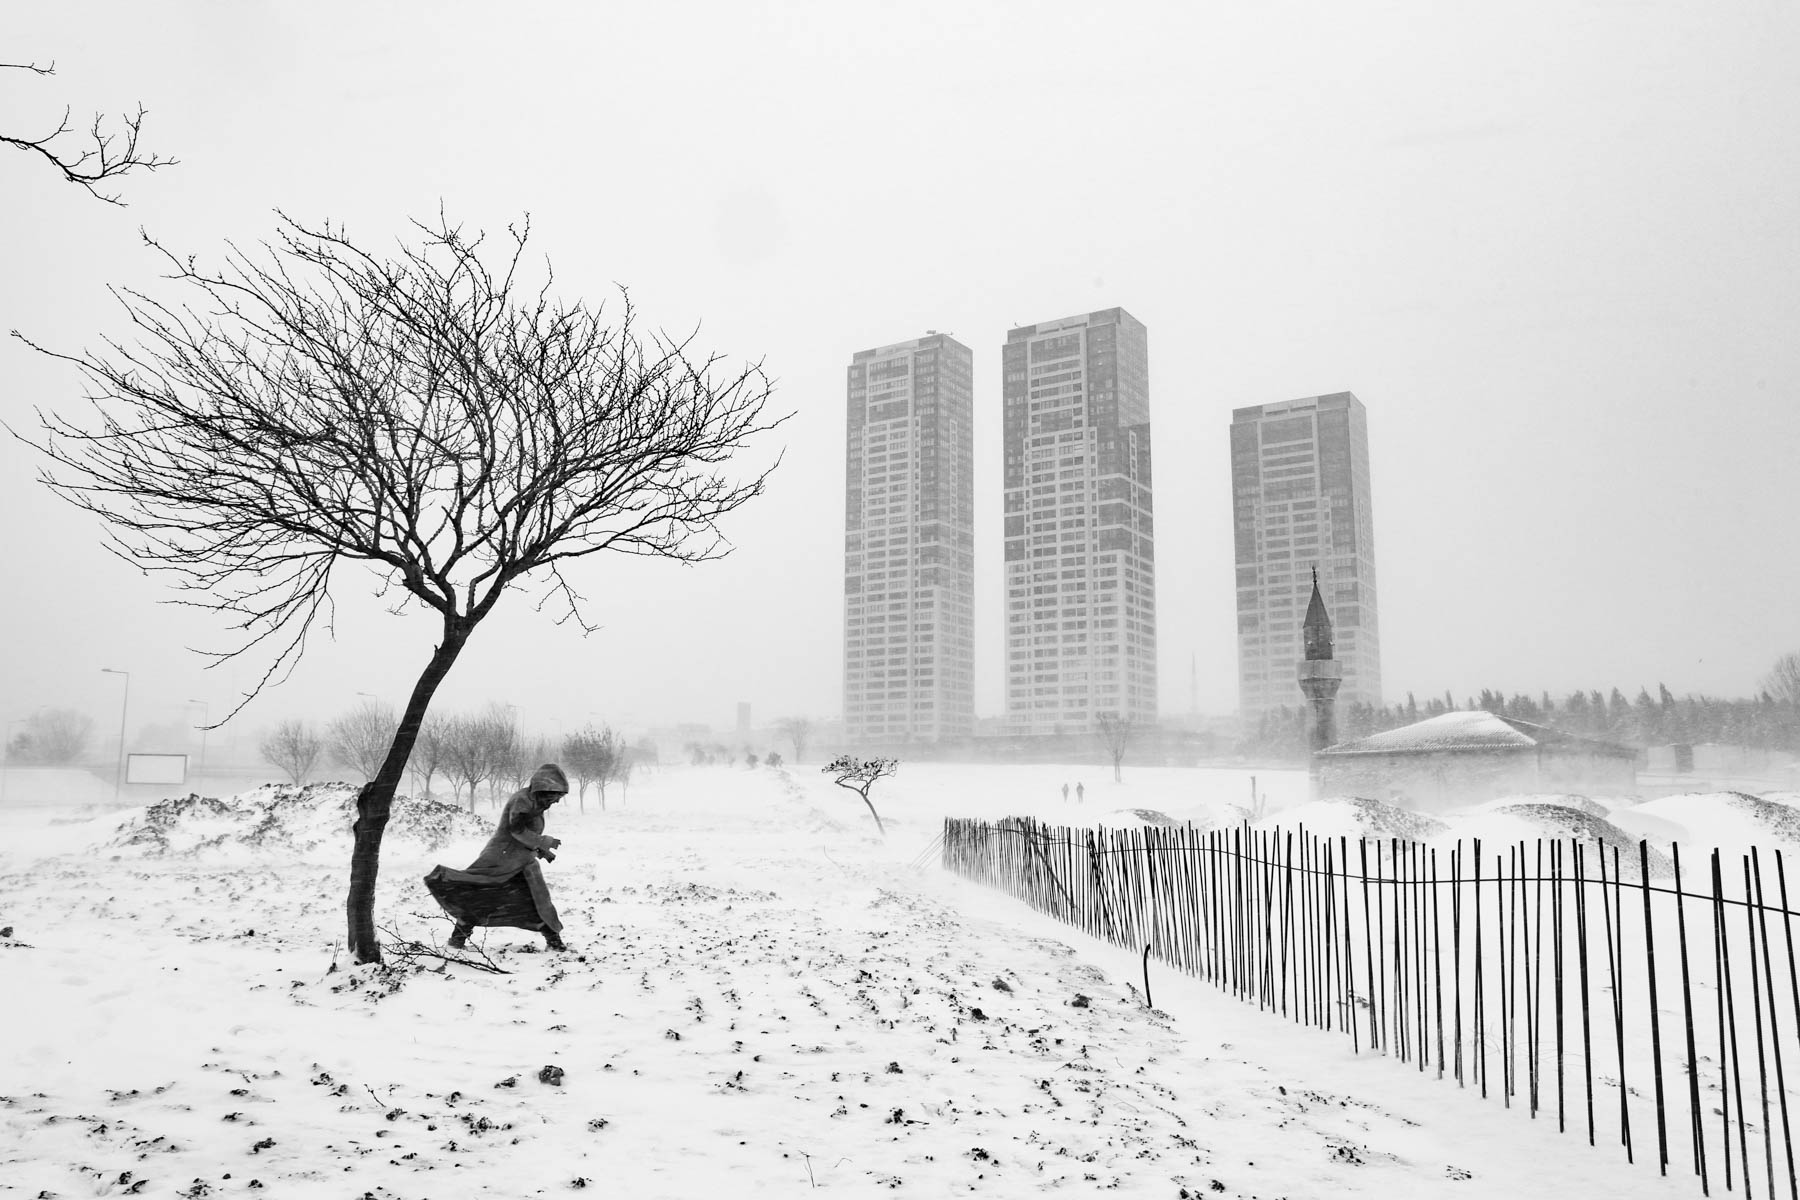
x=511, y=853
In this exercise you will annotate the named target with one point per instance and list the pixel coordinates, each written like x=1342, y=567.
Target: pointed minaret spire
x=1316, y=630
x=1319, y=674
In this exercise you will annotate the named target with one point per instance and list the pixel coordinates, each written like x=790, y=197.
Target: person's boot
x=459, y=938
x=553, y=940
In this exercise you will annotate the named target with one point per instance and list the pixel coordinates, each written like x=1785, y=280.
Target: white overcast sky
x=1553, y=247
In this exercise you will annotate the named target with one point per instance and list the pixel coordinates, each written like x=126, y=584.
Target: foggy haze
x=1550, y=247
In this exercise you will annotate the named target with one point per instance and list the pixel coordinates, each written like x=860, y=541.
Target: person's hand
x=551, y=843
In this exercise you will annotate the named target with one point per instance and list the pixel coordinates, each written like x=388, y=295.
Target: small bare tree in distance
x=51, y=737
x=293, y=747
x=480, y=746
x=435, y=417
x=584, y=756
x=1783, y=679
x=1116, y=732
x=108, y=154
x=859, y=775
x=797, y=730
x=429, y=753
x=359, y=739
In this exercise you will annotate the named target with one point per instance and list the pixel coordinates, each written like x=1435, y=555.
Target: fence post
x=1662, y=1133
x=1728, y=1020
x=1762, y=1062
x=1556, y=955
x=1349, y=956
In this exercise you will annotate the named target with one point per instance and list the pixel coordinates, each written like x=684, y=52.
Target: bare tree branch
x=108, y=153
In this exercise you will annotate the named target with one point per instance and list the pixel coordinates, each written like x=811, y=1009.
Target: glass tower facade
x=1300, y=499
x=909, y=544
x=1079, y=537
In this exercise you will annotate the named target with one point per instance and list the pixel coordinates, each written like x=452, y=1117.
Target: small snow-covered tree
x=859, y=776
x=294, y=747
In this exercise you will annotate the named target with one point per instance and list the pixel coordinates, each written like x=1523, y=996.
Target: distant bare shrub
x=360, y=738
x=294, y=748
x=51, y=737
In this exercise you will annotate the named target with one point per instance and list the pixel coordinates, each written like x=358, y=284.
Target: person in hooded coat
x=488, y=891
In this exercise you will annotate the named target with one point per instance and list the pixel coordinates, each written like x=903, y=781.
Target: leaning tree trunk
x=375, y=800
x=879, y=827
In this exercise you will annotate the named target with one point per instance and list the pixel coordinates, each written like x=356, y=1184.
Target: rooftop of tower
x=1104, y=316
x=930, y=339
x=1327, y=403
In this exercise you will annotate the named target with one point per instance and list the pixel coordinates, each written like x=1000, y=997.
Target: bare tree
x=622, y=770
x=1783, y=679
x=1116, y=732
x=797, y=730
x=106, y=154
x=359, y=739
x=430, y=753
x=480, y=747
x=434, y=417
x=609, y=762
x=51, y=737
x=588, y=753
x=294, y=747
x=859, y=775
x=528, y=755
x=505, y=750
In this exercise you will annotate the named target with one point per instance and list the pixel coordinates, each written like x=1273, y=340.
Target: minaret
x=1319, y=674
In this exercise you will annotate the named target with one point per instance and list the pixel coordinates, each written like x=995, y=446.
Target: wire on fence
x=1393, y=949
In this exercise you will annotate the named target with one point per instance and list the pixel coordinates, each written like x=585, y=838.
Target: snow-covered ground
x=763, y=998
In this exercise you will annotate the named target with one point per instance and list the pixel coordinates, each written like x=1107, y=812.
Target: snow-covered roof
x=1454, y=731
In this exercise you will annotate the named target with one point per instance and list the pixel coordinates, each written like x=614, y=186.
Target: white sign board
x=156, y=768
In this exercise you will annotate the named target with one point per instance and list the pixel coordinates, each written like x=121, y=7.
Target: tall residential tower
x=909, y=544
x=1300, y=499
x=1080, y=546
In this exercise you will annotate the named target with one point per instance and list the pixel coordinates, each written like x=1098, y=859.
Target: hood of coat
x=548, y=778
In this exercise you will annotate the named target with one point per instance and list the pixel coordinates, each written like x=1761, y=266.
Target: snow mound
x=1132, y=818
x=1355, y=817
x=1731, y=821
x=282, y=817
x=1502, y=828
x=1592, y=808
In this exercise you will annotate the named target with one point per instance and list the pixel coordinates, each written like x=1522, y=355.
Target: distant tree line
x=468, y=751
x=1768, y=721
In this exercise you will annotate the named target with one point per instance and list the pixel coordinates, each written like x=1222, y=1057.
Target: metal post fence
x=1468, y=960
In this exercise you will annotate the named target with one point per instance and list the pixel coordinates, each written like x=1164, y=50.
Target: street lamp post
x=124, y=702
x=205, y=719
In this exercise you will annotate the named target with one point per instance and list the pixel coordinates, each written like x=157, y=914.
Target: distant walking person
x=505, y=885
x=1065, y=793
x=1080, y=792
